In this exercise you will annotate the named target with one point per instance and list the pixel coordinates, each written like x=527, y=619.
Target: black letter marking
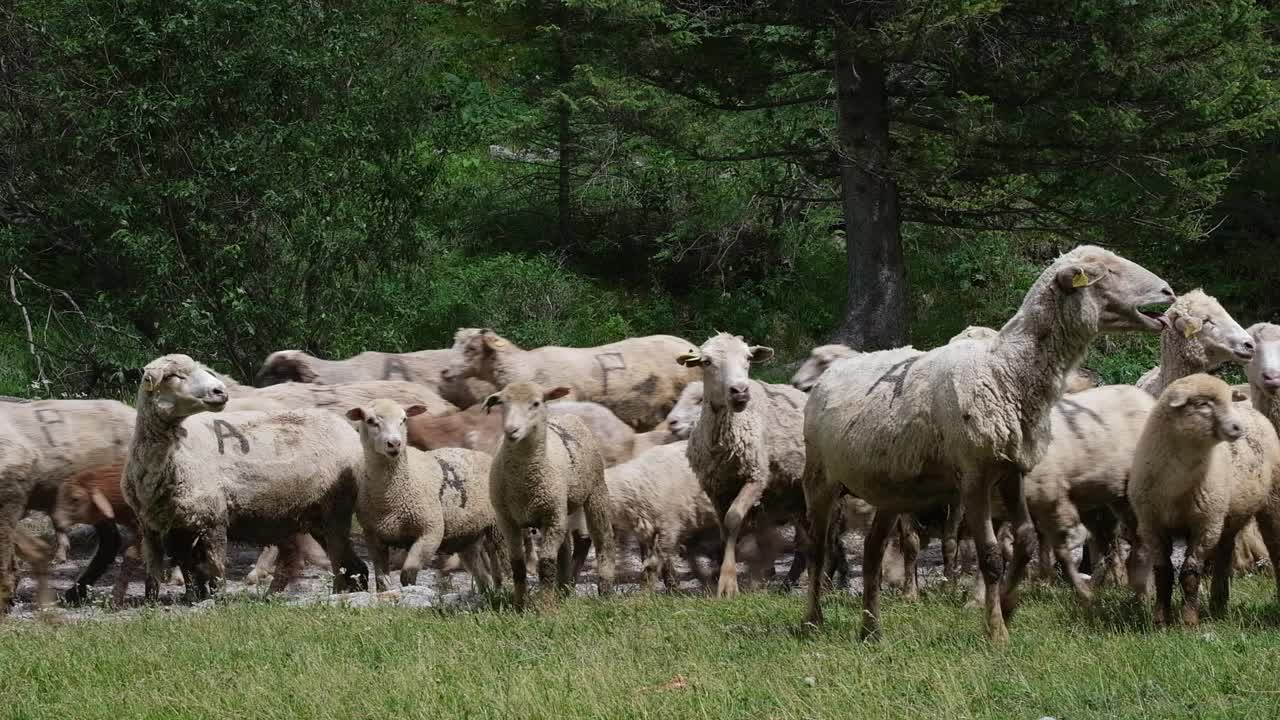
x=775, y=394
x=453, y=480
x=219, y=426
x=394, y=366
x=324, y=395
x=897, y=375
x=1072, y=410
x=616, y=364
x=48, y=417
x=568, y=440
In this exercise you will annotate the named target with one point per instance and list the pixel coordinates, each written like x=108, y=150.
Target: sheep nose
x=1168, y=292
x=446, y=373
x=218, y=395
x=1232, y=430
x=741, y=391
x=513, y=433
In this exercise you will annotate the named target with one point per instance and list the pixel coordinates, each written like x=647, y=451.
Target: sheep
x=475, y=429
x=194, y=479
x=337, y=398
x=907, y=431
x=1199, y=337
x=744, y=453
x=1263, y=390
x=423, y=367
x=44, y=443
x=420, y=499
x=628, y=377
x=1204, y=467
x=820, y=358
x=688, y=408
x=539, y=478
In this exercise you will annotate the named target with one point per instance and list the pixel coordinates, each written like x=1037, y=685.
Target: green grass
x=660, y=656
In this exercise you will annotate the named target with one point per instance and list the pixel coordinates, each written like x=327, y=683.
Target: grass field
x=659, y=656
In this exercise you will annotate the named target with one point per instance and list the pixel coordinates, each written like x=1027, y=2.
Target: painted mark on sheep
x=223, y=430
x=568, y=440
x=452, y=480
x=49, y=417
x=609, y=362
x=394, y=366
x=648, y=387
x=778, y=394
x=1071, y=412
x=897, y=374
x=324, y=396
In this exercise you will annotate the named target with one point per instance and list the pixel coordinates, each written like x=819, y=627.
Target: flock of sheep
x=520, y=461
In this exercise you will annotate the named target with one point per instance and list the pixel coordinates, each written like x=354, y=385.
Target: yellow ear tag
x=1189, y=330
x=1080, y=280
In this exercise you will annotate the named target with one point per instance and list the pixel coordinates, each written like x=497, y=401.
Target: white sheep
x=44, y=443
x=1199, y=336
x=820, y=358
x=1204, y=467
x=427, y=501
x=424, y=367
x=633, y=378
x=194, y=478
x=1263, y=372
x=544, y=471
x=746, y=447
x=907, y=431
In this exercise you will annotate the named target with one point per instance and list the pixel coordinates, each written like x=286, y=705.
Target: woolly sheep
x=43, y=443
x=907, y=431
x=545, y=470
x=746, y=447
x=633, y=378
x=338, y=398
x=820, y=358
x=193, y=478
x=688, y=408
x=423, y=368
x=1263, y=390
x=427, y=501
x=1199, y=336
x=1204, y=466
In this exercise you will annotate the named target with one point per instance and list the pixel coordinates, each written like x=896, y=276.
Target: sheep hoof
x=999, y=635
x=728, y=587
x=76, y=594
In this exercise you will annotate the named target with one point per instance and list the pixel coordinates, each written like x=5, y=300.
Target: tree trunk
x=875, y=309
x=564, y=144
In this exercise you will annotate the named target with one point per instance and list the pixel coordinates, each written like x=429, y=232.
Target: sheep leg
x=103, y=556
x=1193, y=567
x=263, y=565
x=977, y=511
x=215, y=544
x=473, y=560
x=551, y=539
x=515, y=538
x=820, y=500
x=153, y=561
x=10, y=514
x=288, y=565
x=1269, y=527
x=1024, y=540
x=909, y=541
x=127, y=563
x=1163, y=549
x=496, y=551
x=39, y=555
x=422, y=550
x=530, y=554
x=62, y=546
x=380, y=555
x=1063, y=553
x=665, y=548
x=731, y=527
x=1220, y=586
x=565, y=580
x=872, y=563
x=951, y=542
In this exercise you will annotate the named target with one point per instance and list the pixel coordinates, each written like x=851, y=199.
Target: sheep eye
x=537, y=403
x=371, y=421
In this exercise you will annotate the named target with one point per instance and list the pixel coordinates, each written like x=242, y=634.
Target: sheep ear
x=103, y=504
x=1074, y=277
x=414, y=410
x=1178, y=400
x=491, y=339
x=690, y=359
x=555, y=394
x=1238, y=395
x=1188, y=325
x=490, y=401
x=760, y=353
x=152, y=377
x=355, y=414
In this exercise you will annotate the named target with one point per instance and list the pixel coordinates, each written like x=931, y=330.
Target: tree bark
x=875, y=308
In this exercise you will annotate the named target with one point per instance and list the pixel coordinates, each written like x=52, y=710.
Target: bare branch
x=26, y=320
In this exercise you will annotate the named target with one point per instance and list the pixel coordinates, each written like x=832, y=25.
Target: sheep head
x=974, y=332
x=1199, y=410
x=820, y=358
x=524, y=408
x=687, y=411
x=1119, y=292
x=474, y=349
x=179, y=387
x=1264, y=369
x=80, y=500
x=1208, y=330
x=726, y=369
x=382, y=425
x=285, y=366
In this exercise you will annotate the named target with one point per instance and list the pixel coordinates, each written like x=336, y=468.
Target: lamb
x=745, y=453
x=539, y=478
x=688, y=408
x=1204, y=467
x=1199, y=337
x=94, y=497
x=630, y=377
x=423, y=367
x=477, y=430
x=907, y=431
x=194, y=479
x=420, y=499
x=43, y=443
